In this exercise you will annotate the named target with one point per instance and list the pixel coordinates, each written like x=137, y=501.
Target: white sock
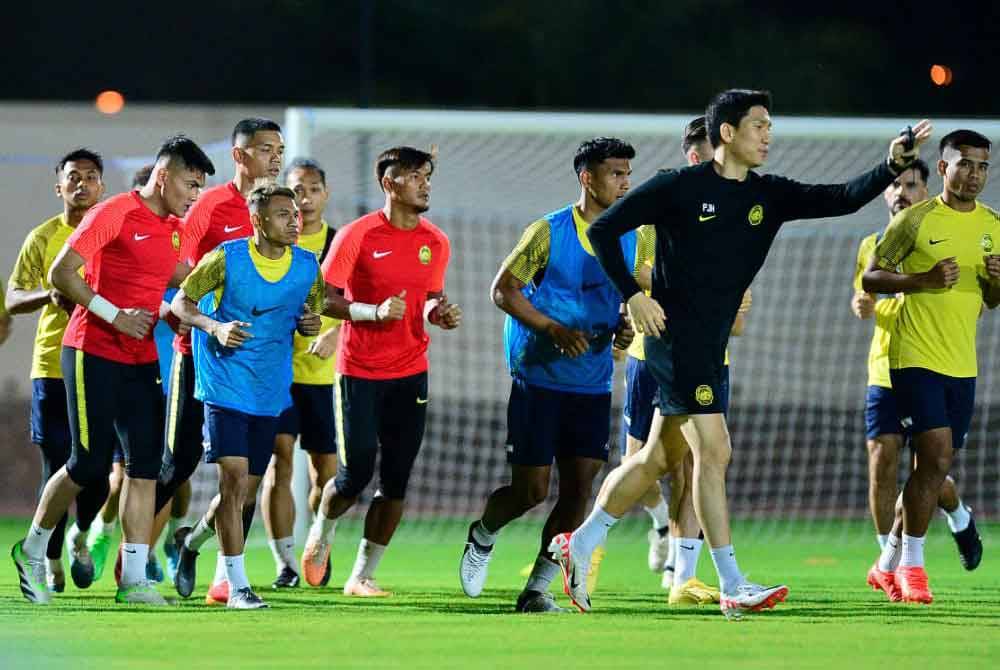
x=134, y=557
x=688, y=552
x=958, y=520
x=369, y=555
x=672, y=552
x=482, y=535
x=882, y=539
x=888, y=560
x=730, y=577
x=913, y=552
x=236, y=573
x=659, y=514
x=283, y=550
x=542, y=575
x=107, y=528
x=172, y=525
x=199, y=535
x=322, y=529
x=37, y=541
x=593, y=532
x=220, y=568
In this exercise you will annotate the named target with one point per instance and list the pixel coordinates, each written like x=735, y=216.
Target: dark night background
x=842, y=58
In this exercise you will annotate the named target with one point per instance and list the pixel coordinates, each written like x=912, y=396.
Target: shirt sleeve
x=898, y=240
x=865, y=250
x=338, y=265
x=531, y=253
x=645, y=248
x=650, y=202
x=816, y=201
x=99, y=227
x=207, y=276
x=441, y=267
x=29, y=268
x=316, y=300
x=192, y=230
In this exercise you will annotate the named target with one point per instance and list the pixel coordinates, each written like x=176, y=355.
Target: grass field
x=831, y=619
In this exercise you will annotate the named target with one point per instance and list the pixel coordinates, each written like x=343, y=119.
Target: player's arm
x=437, y=309
x=207, y=276
x=92, y=235
x=882, y=275
x=862, y=302
x=813, y=201
x=24, y=289
x=5, y=321
x=991, y=285
x=309, y=322
x=740, y=322
x=338, y=266
x=529, y=257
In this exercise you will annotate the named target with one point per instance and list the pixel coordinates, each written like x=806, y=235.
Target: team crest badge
x=703, y=394
x=987, y=243
x=176, y=240
x=425, y=254
x=756, y=215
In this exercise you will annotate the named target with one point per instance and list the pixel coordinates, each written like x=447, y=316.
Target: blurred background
x=507, y=91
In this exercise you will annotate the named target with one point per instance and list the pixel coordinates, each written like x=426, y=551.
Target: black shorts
x=241, y=435
x=185, y=418
x=689, y=384
x=310, y=418
x=545, y=424
x=107, y=399
x=379, y=413
x=49, y=418
x=927, y=400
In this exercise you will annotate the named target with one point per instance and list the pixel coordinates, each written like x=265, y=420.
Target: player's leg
x=532, y=430
x=102, y=531
x=686, y=531
x=139, y=419
x=278, y=504
x=183, y=431
x=356, y=406
x=961, y=524
x=402, y=418
x=89, y=502
x=318, y=438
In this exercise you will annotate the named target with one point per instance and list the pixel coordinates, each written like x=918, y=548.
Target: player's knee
x=233, y=482
x=716, y=456
x=350, y=483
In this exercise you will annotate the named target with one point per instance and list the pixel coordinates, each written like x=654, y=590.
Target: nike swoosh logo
x=684, y=546
x=159, y=381
x=258, y=312
x=707, y=218
x=130, y=551
x=593, y=286
x=933, y=242
x=231, y=229
x=139, y=238
x=422, y=401
x=380, y=254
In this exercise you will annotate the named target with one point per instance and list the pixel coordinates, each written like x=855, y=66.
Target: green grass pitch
x=831, y=619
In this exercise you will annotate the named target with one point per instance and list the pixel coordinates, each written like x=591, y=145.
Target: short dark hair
x=182, y=148
x=730, y=107
x=963, y=137
x=81, y=154
x=921, y=167
x=247, y=128
x=695, y=132
x=299, y=163
x=407, y=158
x=261, y=196
x=592, y=152
x=141, y=176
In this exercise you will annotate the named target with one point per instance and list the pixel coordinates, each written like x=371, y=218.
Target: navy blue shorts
x=49, y=414
x=929, y=400
x=235, y=433
x=698, y=388
x=882, y=413
x=640, y=401
x=310, y=418
x=544, y=424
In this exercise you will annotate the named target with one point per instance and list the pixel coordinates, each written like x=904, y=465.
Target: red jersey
x=220, y=214
x=372, y=260
x=130, y=255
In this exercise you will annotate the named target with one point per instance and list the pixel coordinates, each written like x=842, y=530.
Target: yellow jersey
x=307, y=368
x=886, y=311
x=936, y=328
x=31, y=272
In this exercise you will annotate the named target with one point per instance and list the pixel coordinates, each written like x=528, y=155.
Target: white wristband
x=429, y=307
x=102, y=308
x=361, y=311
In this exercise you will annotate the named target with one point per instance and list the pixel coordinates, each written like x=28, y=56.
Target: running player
x=558, y=337
x=886, y=436
x=385, y=276
x=940, y=254
x=79, y=185
x=128, y=245
x=220, y=215
x=310, y=416
x=245, y=298
x=701, y=214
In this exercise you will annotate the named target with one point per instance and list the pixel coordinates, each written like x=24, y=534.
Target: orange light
x=940, y=75
x=109, y=102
